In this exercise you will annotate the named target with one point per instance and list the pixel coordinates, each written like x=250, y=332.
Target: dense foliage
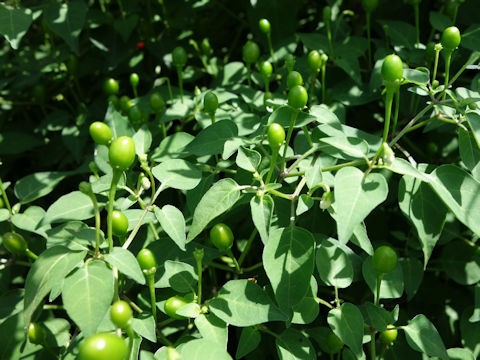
x=254, y=179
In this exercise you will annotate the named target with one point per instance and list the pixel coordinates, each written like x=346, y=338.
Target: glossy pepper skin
x=392, y=68
x=221, y=236
x=384, y=259
x=121, y=153
x=103, y=346
x=276, y=136
x=173, y=304
x=297, y=97
x=451, y=38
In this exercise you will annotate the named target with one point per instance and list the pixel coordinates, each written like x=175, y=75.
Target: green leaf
x=87, y=295
x=248, y=159
x=418, y=76
x=142, y=139
x=11, y=303
x=460, y=192
x=461, y=262
x=66, y=20
x=288, y=259
x=392, y=283
x=306, y=311
x=476, y=312
x=333, y=265
x=213, y=329
x=292, y=345
x=422, y=207
x=243, y=303
x=177, y=174
x=473, y=120
x=314, y=175
x=73, y=206
x=349, y=147
x=74, y=235
x=376, y=316
x=469, y=150
x=412, y=275
x=439, y=21
x=355, y=198
x=34, y=186
x=173, y=223
x=126, y=263
x=134, y=215
x=470, y=332
x=29, y=220
x=218, y=199
x=202, y=349
x=14, y=24
x=460, y=354
x=249, y=341
x=283, y=114
x=347, y=323
x=351, y=66
x=470, y=38
x=179, y=276
x=51, y=267
x=172, y=147
x=144, y=326
x=211, y=140
x=262, y=211
x=422, y=336
x=13, y=142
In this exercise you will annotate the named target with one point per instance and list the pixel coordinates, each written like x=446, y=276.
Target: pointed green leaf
x=288, y=258
x=177, y=174
x=422, y=336
x=66, y=20
x=73, y=206
x=51, y=267
x=213, y=329
x=333, y=265
x=173, y=223
x=293, y=345
x=355, y=198
x=392, y=283
x=126, y=263
x=422, y=207
x=218, y=199
x=211, y=140
x=87, y=295
x=202, y=349
x=262, y=212
x=243, y=303
x=14, y=24
x=249, y=341
x=34, y=186
x=347, y=323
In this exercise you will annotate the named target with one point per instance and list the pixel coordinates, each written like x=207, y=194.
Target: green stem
x=369, y=38
x=323, y=302
x=135, y=92
x=448, y=58
x=253, y=267
x=435, y=65
x=331, y=356
x=235, y=262
x=31, y=254
x=382, y=353
x=410, y=124
x=293, y=118
x=280, y=194
x=212, y=117
x=220, y=266
x=249, y=75
x=120, y=5
x=337, y=300
x=5, y=198
x=379, y=283
x=473, y=58
x=388, y=112
x=131, y=336
x=180, y=81
x=417, y=22
x=247, y=246
x=307, y=135
x=324, y=71
x=329, y=36
x=266, y=80
x=270, y=47
x=311, y=87
x=273, y=161
x=111, y=198
x=198, y=255
x=115, y=283
x=151, y=287
x=373, y=350
x=397, y=106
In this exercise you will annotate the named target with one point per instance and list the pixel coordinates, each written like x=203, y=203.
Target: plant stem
x=435, y=65
x=235, y=262
x=337, y=300
x=329, y=36
x=198, y=255
x=180, y=81
x=369, y=40
x=373, y=350
x=253, y=267
x=410, y=124
x=417, y=22
x=249, y=75
x=397, y=107
x=379, y=283
x=5, y=198
x=247, y=246
x=31, y=254
x=131, y=336
x=323, y=302
x=307, y=135
x=324, y=71
x=270, y=47
x=151, y=287
x=448, y=58
x=473, y=58
x=273, y=161
x=388, y=112
x=293, y=118
x=111, y=198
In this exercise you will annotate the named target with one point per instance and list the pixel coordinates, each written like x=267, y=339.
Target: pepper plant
x=239, y=180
